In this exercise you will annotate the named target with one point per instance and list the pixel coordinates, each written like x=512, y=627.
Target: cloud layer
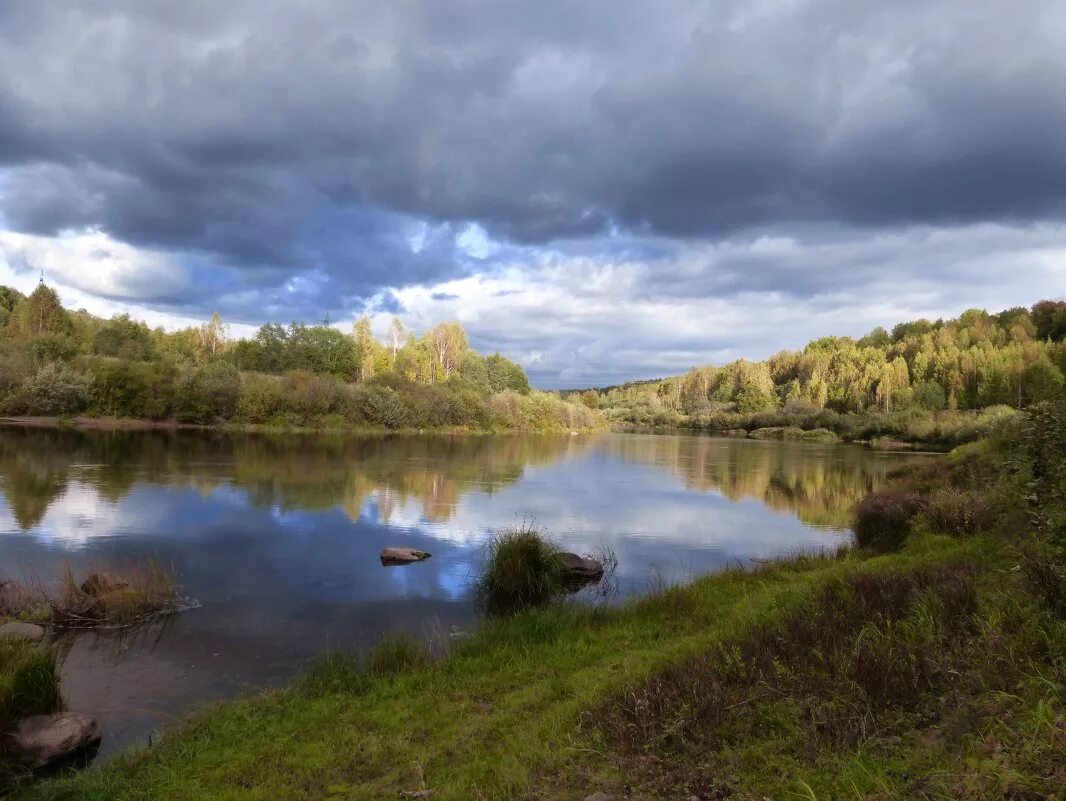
x=279, y=159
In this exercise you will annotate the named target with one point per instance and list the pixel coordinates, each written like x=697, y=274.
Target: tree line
x=54, y=361
x=980, y=360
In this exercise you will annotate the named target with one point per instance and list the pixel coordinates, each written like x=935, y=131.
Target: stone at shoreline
x=21, y=631
x=402, y=556
x=102, y=583
x=44, y=739
x=579, y=567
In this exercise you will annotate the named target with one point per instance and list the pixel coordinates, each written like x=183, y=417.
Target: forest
x=55, y=362
x=942, y=381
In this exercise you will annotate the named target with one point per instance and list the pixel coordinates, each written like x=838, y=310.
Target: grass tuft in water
x=522, y=571
x=138, y=595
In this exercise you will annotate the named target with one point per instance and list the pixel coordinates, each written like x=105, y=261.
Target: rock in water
x=44, y=739
x=579, y=567
x=21, y=631
x=102, y=583
x=402, y=556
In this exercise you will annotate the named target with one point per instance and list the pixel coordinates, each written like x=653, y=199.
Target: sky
x=600, y=190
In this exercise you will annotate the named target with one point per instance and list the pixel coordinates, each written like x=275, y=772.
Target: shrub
x=208, y=394
x=58, y=389
x=309, y=396
x=15, y=369
x=956, y=512
x=50, y=348
x=259, y=397
x=381, y=406
x=882, y=519
x=132, y=389
x=542, y=411
x=522, y=571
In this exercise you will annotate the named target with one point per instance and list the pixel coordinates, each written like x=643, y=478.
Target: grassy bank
x=496, y=719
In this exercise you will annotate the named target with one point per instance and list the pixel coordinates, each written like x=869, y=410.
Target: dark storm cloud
x=286, y=138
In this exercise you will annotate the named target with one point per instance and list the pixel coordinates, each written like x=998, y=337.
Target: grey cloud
x=803, y=160
x=751, y=297
x=261, y=134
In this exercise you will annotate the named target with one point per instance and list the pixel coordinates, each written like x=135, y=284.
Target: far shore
x=140, y=424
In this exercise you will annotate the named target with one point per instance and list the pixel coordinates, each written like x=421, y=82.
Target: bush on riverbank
x=1011, y=482
x=883, y=519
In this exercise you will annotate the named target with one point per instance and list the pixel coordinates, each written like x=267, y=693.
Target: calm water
x=278, y=538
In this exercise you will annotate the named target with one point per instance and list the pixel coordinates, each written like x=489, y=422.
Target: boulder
x=579, y=567
x=599, y=797
x=102, y=583
x=44, y=739
x=21, y=631
x=402, y=556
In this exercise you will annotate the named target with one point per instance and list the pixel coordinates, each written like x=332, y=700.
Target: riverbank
x=910, y=429
x=507, y=713
x=139, y=424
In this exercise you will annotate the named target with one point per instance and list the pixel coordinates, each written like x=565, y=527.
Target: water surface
x=278, y=537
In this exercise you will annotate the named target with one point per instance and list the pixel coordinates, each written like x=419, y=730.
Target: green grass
x=339, y=673
x=29, y=683
x=496, y=719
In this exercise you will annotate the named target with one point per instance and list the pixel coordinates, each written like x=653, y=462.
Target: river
x=277, y=537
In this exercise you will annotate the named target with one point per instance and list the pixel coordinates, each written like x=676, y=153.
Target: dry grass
x=877, y=633
x=23, y=602
x=850, y=668
x=117, y=601
x=101, y=599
